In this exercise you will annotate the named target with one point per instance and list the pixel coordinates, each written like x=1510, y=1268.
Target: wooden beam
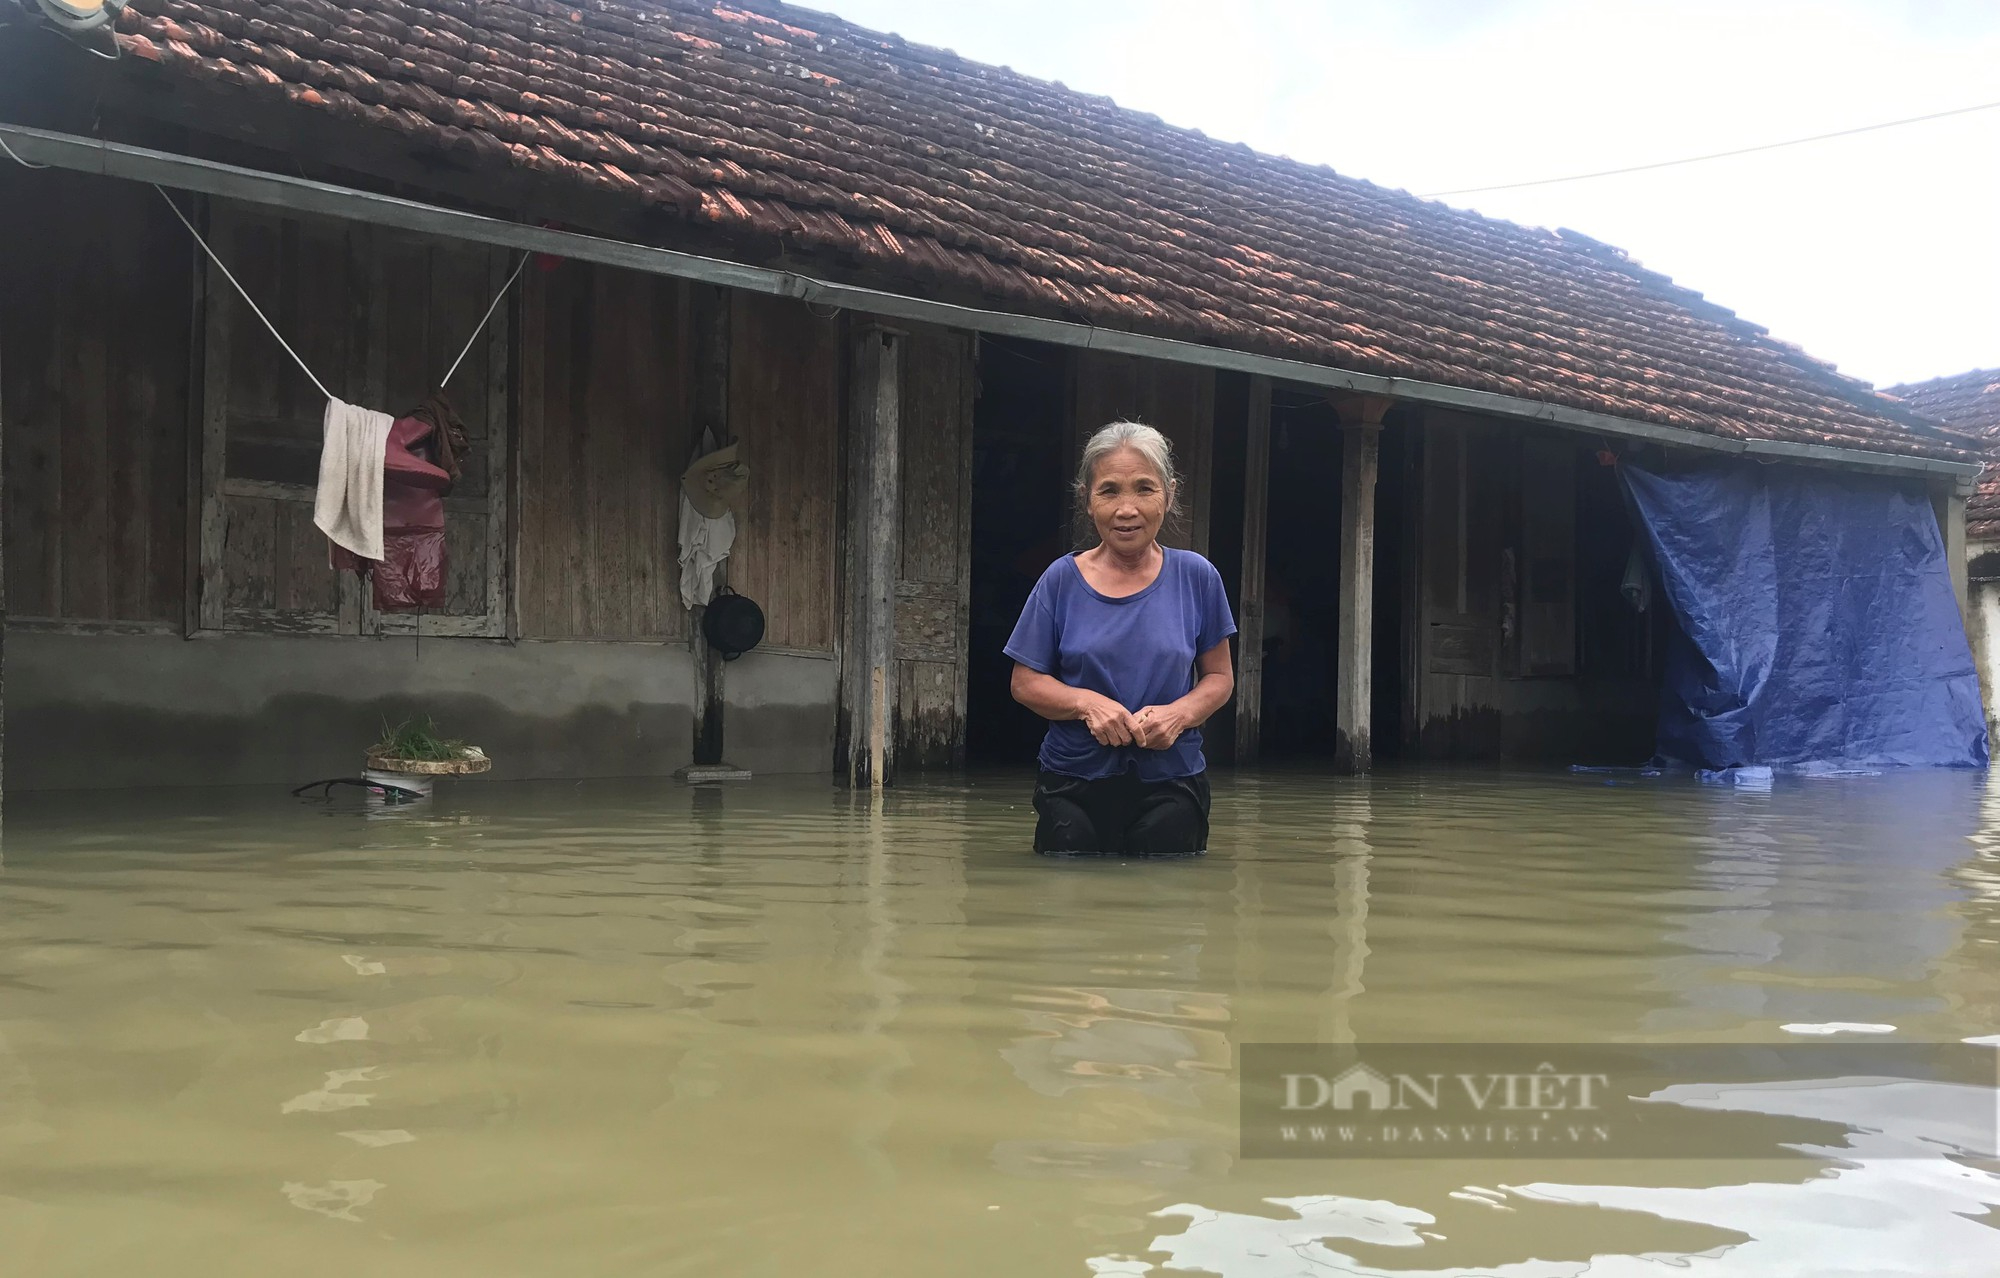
x=710, y=307
x=1415, y=636
x=1361, y=430
x=875, y=508
x=968, y=400
x=213, y=435
x=194, y=492
x=1256, y=529
x=499, y=452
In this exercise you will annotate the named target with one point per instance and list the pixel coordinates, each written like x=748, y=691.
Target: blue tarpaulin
x=1818, y=628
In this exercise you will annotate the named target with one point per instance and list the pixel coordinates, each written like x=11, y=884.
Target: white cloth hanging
x=705, y=543
x=1637, y=584
x=348, y=506
x=705, y=539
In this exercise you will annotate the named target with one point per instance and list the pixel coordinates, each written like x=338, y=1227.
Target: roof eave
x=208, y=177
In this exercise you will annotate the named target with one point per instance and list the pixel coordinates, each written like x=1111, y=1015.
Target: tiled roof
x=1969, y=402
x=757, y=119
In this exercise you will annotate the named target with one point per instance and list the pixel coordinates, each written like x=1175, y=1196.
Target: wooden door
x=1463, y=469
x=1548, y=557
x=934, y=575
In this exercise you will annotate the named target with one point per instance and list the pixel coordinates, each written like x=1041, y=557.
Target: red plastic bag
x=412, y=573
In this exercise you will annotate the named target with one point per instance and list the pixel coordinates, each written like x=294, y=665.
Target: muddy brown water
x=635, y=1029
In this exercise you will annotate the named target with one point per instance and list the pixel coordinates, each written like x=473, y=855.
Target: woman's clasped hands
x=1149, y=728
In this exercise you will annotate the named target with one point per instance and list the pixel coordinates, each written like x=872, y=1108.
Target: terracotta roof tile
x=1967, y=401
x=759, y=117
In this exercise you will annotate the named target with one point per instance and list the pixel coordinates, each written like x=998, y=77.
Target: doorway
x=1302, y=584
x=1020, y=524
x=1301, y=579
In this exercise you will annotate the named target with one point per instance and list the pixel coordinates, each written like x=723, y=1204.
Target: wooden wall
x=784, y=409
x=1176, y=398
x=605, y=406
x=94, y=355
x=934, y=576
x=607, y=386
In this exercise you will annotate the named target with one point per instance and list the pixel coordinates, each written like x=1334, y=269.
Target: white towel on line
x=348, y=506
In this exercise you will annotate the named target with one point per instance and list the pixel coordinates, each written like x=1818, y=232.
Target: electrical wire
x=1716, y=155
x=397, y=792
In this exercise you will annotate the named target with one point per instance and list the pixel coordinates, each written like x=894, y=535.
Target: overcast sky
x=1880, y=253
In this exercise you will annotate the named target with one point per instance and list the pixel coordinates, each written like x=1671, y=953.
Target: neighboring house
x=1970, y=403
x=906, y=284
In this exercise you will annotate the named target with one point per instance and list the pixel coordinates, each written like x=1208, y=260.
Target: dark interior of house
x=1020, y=523
x=1301, y=579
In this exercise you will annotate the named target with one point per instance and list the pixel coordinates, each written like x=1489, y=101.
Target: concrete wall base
x=103, y=711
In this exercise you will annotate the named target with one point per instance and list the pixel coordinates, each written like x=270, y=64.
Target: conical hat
x=717, y=483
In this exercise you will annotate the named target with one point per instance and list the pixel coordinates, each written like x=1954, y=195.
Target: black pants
x=1121, y=816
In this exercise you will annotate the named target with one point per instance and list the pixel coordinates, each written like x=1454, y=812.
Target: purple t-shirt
x=1139, y=651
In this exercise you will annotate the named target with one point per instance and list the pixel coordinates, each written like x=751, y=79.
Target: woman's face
x=1128, y=501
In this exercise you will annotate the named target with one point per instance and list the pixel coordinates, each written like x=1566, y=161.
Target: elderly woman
x=1124, y=648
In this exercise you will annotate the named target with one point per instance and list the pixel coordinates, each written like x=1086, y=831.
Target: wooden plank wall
x=784, y=407
x=605, y=405
x=934, y=579
x=1178, y=399
x=94, y=346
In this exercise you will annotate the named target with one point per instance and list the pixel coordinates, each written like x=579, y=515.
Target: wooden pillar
x=1948, y=501
x=3, y=608
x=874, y=520
x=1256, y=526
x=709, y=307
x=1361, y=430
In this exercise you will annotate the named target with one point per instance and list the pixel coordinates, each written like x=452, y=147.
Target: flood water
x=638, y=1029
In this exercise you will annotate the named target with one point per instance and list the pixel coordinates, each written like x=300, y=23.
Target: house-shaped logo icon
x=1358, y=1082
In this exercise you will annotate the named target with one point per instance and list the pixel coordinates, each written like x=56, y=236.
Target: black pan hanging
x=733, y=625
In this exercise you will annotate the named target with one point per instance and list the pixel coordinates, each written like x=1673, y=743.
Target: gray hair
x=1142, y=439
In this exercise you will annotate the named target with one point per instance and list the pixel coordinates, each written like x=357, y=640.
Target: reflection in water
x=332, y=1095
x=377, y=1139
x=339, y=1029
x=1896, y=1199
x=337, y=1198
x=777, y=1029
x=1152, y=1041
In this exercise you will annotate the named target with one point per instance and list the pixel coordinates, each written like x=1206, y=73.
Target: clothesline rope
x=258, y=311
x=484, y=319
x=243, y=293
x=26, y=164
